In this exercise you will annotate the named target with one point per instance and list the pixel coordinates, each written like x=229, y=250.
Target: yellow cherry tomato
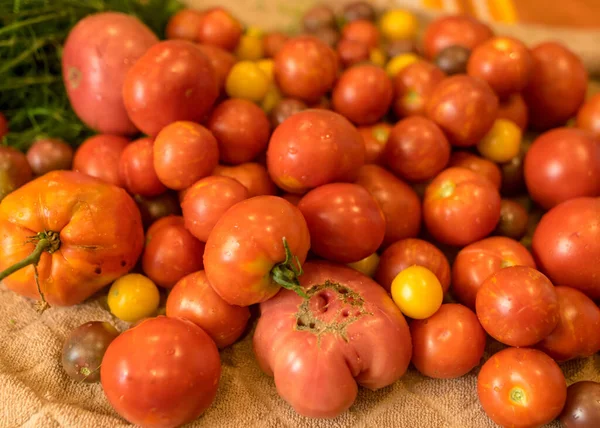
x=417, y=292
x=367, y=266
x=267, y=66
x=398, y=24
x=399, y=62
x=254, y=31
x=271, y=99
x=377, y=57
x=133, y=297
x=247, y=81
x=502, y=142
x=250, y=48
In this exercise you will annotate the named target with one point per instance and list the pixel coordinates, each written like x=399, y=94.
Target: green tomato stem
x=287, y=272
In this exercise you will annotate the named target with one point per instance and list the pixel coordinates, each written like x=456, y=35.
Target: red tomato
x=460, y=207
x=99, y=156
x=255, y=248
x=221, y=60
x=514, y=109
x=217, y=27
x=253, y=176
x=517, y=306
x=49, y=154
x=162, y=373
x=351, y=52
x=362, y=31
x=448, y=344
x=136, y=169
x=476, y=262
x=562, y=164
x=566, y=245
x=184, y=25
x=207, y=200
x=451, y=30
x=588, y=117
x=375, y=138
x=14, y=170
x=273, y=42
x=194, y=299
x=481, y=166
x=399, y=202
x=173, y=81
x=184, y=152
x=334, y=213
x=348, y=331
x=242, y=130
x=170, y=220
x=413, y=87
x=310, y=135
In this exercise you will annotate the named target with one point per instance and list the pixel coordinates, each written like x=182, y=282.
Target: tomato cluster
x=343, y=180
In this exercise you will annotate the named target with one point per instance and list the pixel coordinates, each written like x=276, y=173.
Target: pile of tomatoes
x=344, y=180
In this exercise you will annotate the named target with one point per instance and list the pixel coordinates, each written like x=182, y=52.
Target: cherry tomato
x=582, y=409
x=247, y=81
x=217, y=27
x=133, y=297
x=513, y=220
x=453, y=30
x=400, y=62
x=136, y=169
x=449, y=344
x=398, y=24
x=588, y=117
x=352, y=52
x=158, y=207
x=393, y=48
x=250, y=48
x=453, y=59
x=514, y=109
x=285, y=108
x=49, y=154
x=366, y=266
x=479, y=165
x=356, y=10
x=14, y=170
x=361, y=31
x=333, y=212
x=318, y=17
x=99, y=156
x=273, y=42
x=253, y=176
x=413, y=86
x=502, y=142
x=164, y=372
x=375, y=138
x=184, y=25
x=221, y=60
x=417, y=292
x=521, y=388
x=170, y=220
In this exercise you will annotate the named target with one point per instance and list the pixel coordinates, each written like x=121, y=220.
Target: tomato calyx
x=287, y=272
x=518, y=396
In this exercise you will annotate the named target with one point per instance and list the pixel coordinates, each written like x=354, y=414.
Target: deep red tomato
x=517, y=306
x=253, y=176
x=588, y=117
x=207, y=200
x=460, y=207
x=99, y=157
x=334, y=212
x=562, y=164
x=14, y=170
x=351, y=52
x=194, y=299
x=375, y=138
x=172, y=81
x=153, y=209
x=170, y=220
x=348, y=331
x=221, y=60
x=273, y=42
x=481, y=166
x=362, y=31
x=582, y=409
x=136, y=169
x=521, y=388
x=557, y=87
x=413, y=86
x=162, y=373
x=448, y=344
x=566, y=245
x=309, y=135
x=514, y=109
x=284, y=109
x=417, y=149
x=184, y=25
x=255, y=248
x=217, y=27
x=49, y=154
x=514, y=219
x=452, y=30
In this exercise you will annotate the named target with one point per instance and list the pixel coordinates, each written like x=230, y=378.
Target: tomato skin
x=417, y=292
x=247, y=242
x=136, y=169
x=413, y=87
x=49, y=154
x=252, y=175
x=217, y=27
x=449, y=344
x=582, y=409
x=362, y=31
x=351, y=52
x=14, y=170
x=98, y=157
x=170, y=220
x=162, y=373
x=184, y=25
x=133, y=297
x=521, y=388
x=454, y=30
x=285, y=108
x=481, y=166
x=376, y=353
x=514, y=109
x=221, y=60
x=273, y=42
x=566, y=245
x=375, y=138
x=517, y=306
x=514, y=219
x=588, y=117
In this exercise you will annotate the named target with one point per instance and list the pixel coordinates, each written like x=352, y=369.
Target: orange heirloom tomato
x=81, y=232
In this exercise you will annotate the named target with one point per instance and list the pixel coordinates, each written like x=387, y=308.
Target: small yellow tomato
x=254, y=31
x=250, y=48
x=267, y=66
x=377, y=57
x=398, y=24
x=367, y=266
x=133, y=297
x=502, y=142
x=247, y=81
x=417, y=292
x=399, y=62
x=271, y=99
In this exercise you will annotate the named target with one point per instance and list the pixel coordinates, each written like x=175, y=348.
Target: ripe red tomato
x=399, y=203
x=348, y=331
x=514, y=109
x=517, y=306
x=170, y=220
x=521, y=388
x=413, y=86
x=351, y=52
x=253, y=176
x=460, y=207
x=173, y=81
x=221, y=60
x=452, y=30
x=448, y=344
x=362, y=31
x=375, y=138
x=255, y=248
x=136, y=169
x=207, y=200
x=49, y=154
x=562, y=164
x=162, y=373
x=481, y=166
x=193, y=299
x=273, y=42
x=14, y=170
x=99, y=156
x=566, y=245
x=588, y=117
x=217, y=27
x=184, y=25
x=310, y=135
x=334, y=212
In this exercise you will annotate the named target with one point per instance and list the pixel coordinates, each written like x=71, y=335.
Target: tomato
x=417, y=292
x=153, y=209
x=399, y=203
x=479, y=165
x=133, y=297
x=513, y=108
x=162, y=373
x=400, y=62
x=246, y=80
x=375, y=138
x=566, y=245
x=252, y=175
x=184, y=152
x=413, y=86
x=588, y=117
x=363, y=94
x=517, y=306
x=249, y=48
x=333, y=212
x=305, y=68
x=318, y=17
x=513, y=175
x=194, y=299
x=170, y=220
x=273, y=42
x=184, y=25
x=292, y=150
x=557, y=87
x=562, y=164
x=351, y=52
x=464, y=107
x=285, y=108
x=513, y=220
x=367, y=266
x=358, y=10
x=81, y=233
x=582, y=409
x=452, y=30
x=502, y=142
x=460, y=207
x=398, y=24
x=348, y=331
x=362, y=31
x=521, y=388
x=453, y=59
x=14, y=170
x=449, y=344
x=99, y=156
x=378, y=57
x=255, y=248
x=417, y=149
x=393, y=48
x=3, y=126
x=207, y=200
x=136, y=169
x=49, y=154
x=217, y=27
x=221, y=60
x=173, y=81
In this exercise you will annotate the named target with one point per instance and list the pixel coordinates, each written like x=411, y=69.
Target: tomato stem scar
x=518, y=396
x=287, y=272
